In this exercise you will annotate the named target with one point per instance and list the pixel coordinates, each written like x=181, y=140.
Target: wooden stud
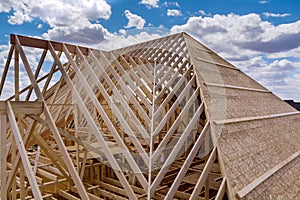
x=22, y=152
x=201, y=181
x=188, y=161
x=6, y=67
x=3, y=175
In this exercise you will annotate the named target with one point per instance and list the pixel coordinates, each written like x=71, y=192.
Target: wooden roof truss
x=126, y=124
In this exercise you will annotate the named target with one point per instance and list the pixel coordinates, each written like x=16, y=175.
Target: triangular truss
x=126, y=124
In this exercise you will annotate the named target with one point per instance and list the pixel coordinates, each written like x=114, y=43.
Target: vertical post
x=16, y=68
x=207, y=188
x=13, y=157
x=17, y=98
x=3, y=156
x=22, y=172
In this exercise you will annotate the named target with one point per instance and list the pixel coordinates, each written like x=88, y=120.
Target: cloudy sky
x=261, y=37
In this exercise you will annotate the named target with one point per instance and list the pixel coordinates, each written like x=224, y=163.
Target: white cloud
x=56, y=12
x=122, y=32
x=134, y=20
x=19, y=17
x=176, y=4
x=150, y=3
x=118, y=41
x=248, y=32
x=40, y=26
x=173, y=12
x=90, y=34
x=71, y=19
x=267, y=14
x=263, y=2
x=247, y=41
x=202, y=12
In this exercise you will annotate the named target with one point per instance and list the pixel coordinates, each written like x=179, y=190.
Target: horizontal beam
x=218, y=64
x=43, y=44
x=246, y=119
x=205, y=50
x=22, y=107
x=237, y=87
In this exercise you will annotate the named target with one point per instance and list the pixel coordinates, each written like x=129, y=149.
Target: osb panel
x=280, y=185
x=250, y=149
x=243, y=103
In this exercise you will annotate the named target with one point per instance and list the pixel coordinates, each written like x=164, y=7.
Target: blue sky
x=261, y=37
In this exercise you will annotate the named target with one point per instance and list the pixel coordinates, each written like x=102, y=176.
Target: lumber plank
x=6, y=67
x=176, y=149
x=22, y=107
x=51, y=123
x=246, y=119
x=43, y=44
x=218, y=64
x=3, y=151
x=22, y=151
x=94, y=127
x=201, y=181
x=187, y=163
x=237, y=87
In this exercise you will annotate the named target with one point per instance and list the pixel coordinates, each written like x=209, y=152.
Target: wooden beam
x=5, y=70
x=236, y=87
x=174, y=126
x=43, y=44
x=217, y=64
x=201, y=181
x=170, y=82
x=50, y=75
x=30, y=86
x=188, y=161
x=3, y=150
x=51, y=123
x=172, y=156
x=94, y=127
x=177, y=86
x=131, y=98
x=166, y=116
x=221, y=190
x=16, y=161
x=22, y=107
x=37, y=72
x=110, y=125
x=246, y=119
x=130, y=82
x=118, y=95
x=66, y=195
x=22, y=151
x=56, y=159
x=205, y=50
x=16, y=75
x=229, y=189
